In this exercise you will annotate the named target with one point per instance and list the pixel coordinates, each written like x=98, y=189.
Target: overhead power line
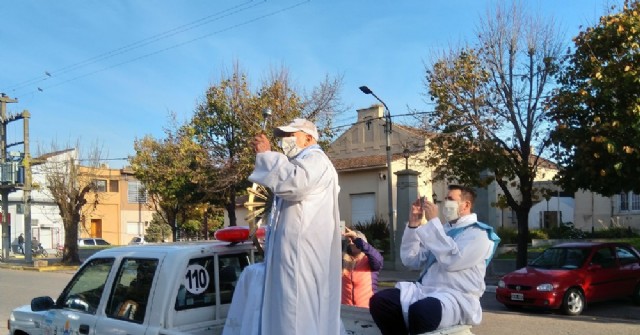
x=226, y=13
x=135, y=45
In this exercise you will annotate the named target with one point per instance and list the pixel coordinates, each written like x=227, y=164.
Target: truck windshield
x=85, y=289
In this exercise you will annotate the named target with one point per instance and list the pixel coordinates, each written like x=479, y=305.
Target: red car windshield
x=561, y=258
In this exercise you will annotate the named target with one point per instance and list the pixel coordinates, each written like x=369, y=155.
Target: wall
x=114, y=209
x=596, y=212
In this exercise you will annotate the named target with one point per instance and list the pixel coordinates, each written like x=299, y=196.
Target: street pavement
x=611, y=318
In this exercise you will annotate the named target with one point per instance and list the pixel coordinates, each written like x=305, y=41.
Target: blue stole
x=491, y=234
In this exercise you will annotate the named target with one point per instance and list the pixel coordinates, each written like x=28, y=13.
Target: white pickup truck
x=172, y=289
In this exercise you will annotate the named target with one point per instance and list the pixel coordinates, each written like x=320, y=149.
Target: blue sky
x=109, y=72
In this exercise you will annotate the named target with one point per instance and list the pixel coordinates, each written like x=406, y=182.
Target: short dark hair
x=467, y=192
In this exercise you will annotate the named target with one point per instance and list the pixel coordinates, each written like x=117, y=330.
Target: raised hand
x=416, y=214
x=261, y=143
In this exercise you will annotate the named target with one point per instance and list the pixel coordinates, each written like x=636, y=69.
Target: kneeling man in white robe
x=453, y=258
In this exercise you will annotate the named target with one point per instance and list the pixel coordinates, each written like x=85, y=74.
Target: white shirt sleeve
x=412, y=252
x=469, y=248
x=292, y=180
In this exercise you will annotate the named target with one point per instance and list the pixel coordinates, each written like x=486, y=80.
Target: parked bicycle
x=59, y=250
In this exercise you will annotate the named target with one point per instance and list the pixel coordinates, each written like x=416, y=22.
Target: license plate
x=517, y=296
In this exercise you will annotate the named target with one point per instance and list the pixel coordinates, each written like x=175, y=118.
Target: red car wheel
x=573, y=302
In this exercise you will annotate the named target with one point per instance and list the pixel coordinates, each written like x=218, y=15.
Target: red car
x=570, y=275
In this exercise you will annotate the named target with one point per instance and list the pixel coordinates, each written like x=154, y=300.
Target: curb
x=21, y=265
x=39, y=269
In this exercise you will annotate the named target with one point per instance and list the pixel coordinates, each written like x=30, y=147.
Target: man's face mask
x=450, y=210
x=289, y=146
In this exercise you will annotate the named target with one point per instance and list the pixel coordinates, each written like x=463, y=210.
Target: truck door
x=128, y=304
x=78, y=307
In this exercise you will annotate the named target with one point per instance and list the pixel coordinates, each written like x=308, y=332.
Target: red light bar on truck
x=237, y=234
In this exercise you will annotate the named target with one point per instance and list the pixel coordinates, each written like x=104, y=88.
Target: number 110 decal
x=196, y=280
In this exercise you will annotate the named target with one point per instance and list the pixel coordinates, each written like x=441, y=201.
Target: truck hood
x=24, y=318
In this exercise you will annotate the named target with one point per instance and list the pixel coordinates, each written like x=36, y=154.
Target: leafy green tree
x=231, y=115
x=597, y=107
x=489, y=123
x=158, y=230
x=223, y=125
x=191, y=228
x=169, y=170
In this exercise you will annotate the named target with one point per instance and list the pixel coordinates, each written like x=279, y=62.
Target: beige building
x=360, y=157
x=122, y=212
x=492, y=206
x=595, y=212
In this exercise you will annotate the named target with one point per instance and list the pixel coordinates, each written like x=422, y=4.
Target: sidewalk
x=17, y=262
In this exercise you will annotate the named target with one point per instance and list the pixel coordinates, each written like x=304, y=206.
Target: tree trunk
x=205, y=221
x=231, y=208
x=70, y=254
x=173, y=223
x=523, y=237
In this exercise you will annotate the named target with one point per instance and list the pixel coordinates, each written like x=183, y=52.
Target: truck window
x=130, y=295
x=198, y=288
x=85, y=289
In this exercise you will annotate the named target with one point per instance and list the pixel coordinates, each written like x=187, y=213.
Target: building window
x=136, y=193
x=113, y=186
x=363, y=208
x=629, y=201
x=101, y=185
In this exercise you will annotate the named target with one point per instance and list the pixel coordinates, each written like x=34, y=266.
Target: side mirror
x=42, y=304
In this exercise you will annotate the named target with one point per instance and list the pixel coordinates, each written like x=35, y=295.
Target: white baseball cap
x=302, y=125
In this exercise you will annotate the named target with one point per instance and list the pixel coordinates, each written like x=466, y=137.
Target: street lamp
x=387, y=130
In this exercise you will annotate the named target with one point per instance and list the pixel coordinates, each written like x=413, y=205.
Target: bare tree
x=490, y=117
x=70, y=182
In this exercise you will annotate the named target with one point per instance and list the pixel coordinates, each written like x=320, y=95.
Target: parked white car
x=138, y=240
x=92, y=242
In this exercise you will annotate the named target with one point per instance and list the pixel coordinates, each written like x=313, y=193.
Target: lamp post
x=387, y=130
x=405, y=154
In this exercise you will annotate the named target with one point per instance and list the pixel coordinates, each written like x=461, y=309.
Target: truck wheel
x=573, y=302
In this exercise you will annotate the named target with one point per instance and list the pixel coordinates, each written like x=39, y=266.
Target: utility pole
x=26, y=190
x=7, y=182
x=392, y=224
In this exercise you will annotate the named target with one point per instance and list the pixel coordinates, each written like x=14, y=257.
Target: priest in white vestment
x=302, y=268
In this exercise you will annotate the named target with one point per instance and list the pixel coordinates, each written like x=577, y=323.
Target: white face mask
x=450, y=210
x=289, y=146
